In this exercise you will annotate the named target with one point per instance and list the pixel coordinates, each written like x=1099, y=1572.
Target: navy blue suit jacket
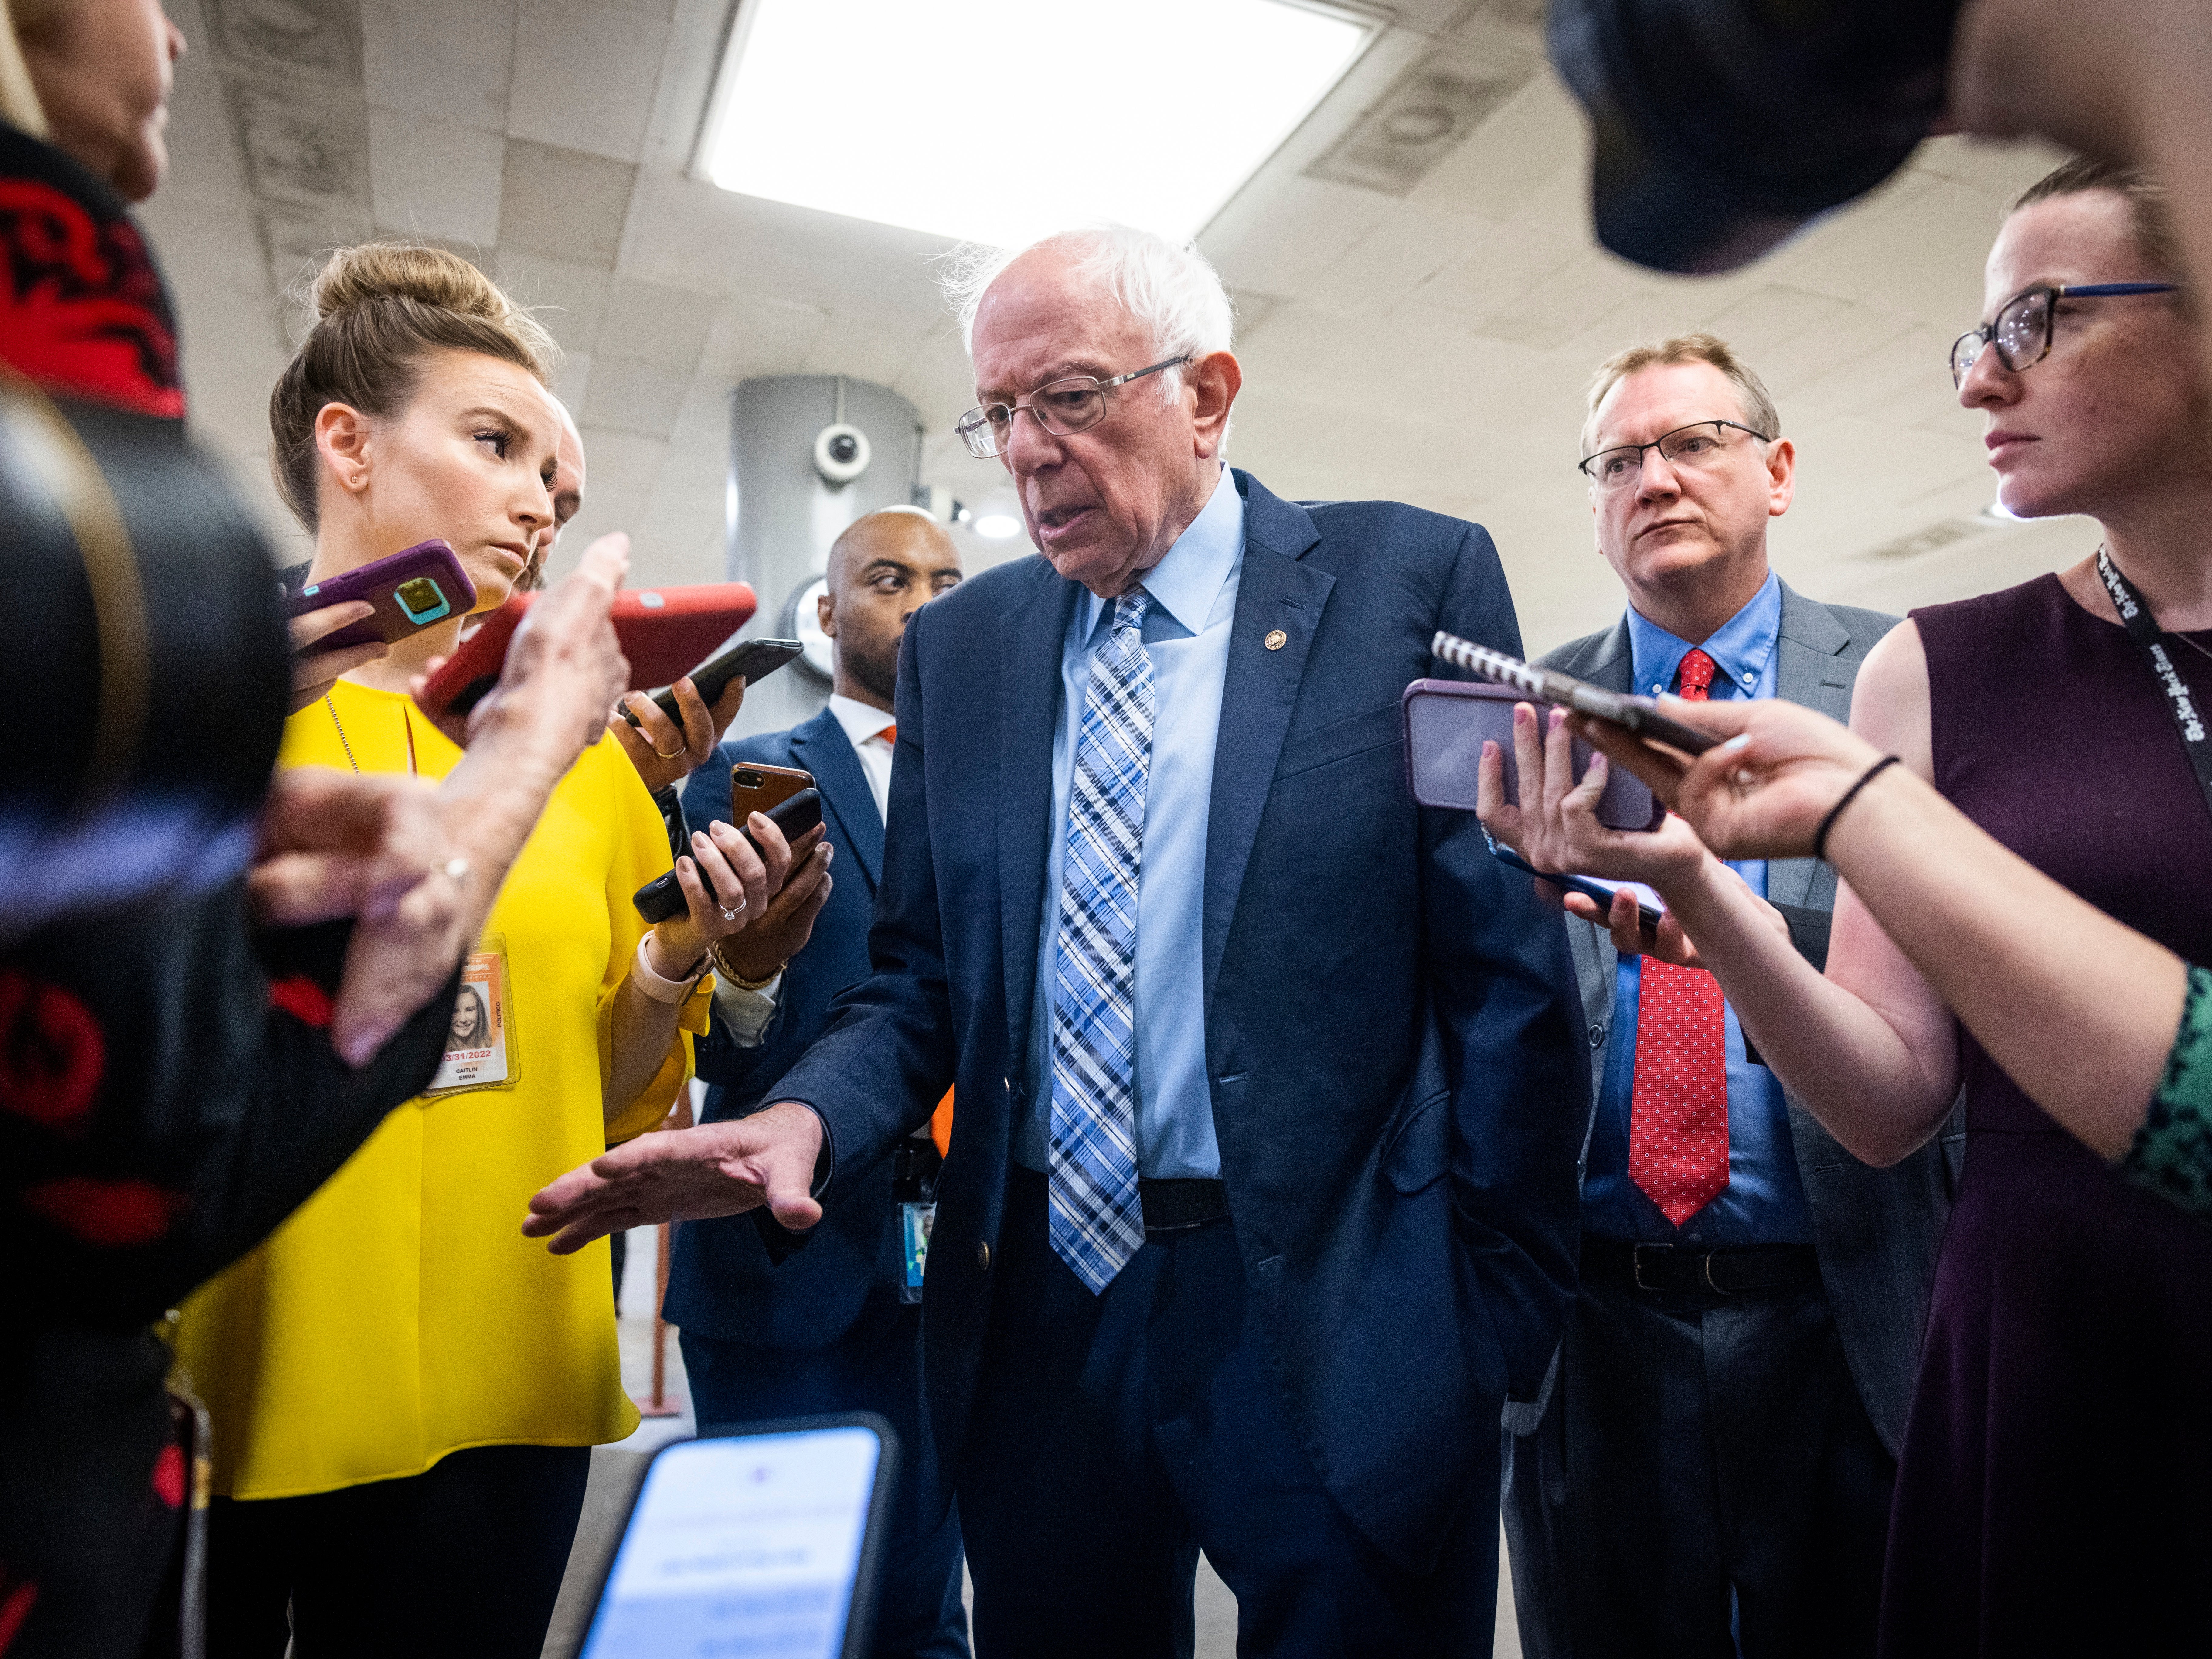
x=1393, y=1034
x=723, y=1282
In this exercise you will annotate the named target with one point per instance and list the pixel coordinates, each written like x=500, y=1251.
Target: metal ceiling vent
x=1429, y=111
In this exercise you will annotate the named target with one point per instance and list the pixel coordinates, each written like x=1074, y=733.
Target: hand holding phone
x=663, y=898
x=407, y=592
x=668, y=749
x=316, y=666
x=1650, y=909
x=1551, y=819
x=751, y=661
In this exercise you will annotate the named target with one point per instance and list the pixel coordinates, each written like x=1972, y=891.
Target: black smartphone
x=662, y=896
x=754, y=659
x=1590, y=887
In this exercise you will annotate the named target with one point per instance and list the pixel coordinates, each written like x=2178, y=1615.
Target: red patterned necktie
x=1678, y=1122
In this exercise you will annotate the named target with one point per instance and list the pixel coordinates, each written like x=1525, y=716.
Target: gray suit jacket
x=1875, y=1231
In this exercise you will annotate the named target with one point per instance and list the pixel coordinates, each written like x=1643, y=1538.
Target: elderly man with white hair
x=1261, y=1197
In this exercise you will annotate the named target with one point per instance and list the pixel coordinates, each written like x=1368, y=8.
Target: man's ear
x=1781, y=477
x=1214, y=380
x=342, y=444
x=825, y=614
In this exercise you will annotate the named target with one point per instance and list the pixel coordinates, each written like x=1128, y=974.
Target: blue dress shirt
x=1186, y=629
x=1763, y=1203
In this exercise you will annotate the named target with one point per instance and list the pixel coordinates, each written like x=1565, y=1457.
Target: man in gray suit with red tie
x=1708, y=1469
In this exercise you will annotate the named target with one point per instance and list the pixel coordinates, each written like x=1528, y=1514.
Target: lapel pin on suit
x=1276, y=640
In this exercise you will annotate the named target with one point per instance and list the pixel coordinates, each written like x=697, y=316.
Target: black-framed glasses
x=1698, y=445
x=2026, y=324
x=1063, y=407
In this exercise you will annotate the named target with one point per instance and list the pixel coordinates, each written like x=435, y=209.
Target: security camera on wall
x=840, y=453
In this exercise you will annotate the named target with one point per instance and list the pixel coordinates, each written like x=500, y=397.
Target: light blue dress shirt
x=1763, y=1202
x=1193, y=591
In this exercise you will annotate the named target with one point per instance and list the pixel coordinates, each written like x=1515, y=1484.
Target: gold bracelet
x=722, y=967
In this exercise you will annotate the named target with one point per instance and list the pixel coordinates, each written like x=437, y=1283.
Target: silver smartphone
x=760, y=1540
x=1447, y=722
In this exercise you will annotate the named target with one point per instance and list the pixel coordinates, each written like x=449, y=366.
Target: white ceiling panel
x=433, y=178
x=563, y=202
x=630, y=397
x=1411, y=244
x=435, y=58
x=584, y=75
x=753, y=337
x=653, y=323
x=569, y=298
x=1304, y=226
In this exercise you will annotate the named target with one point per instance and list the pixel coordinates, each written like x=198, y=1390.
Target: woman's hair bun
x=394, y=270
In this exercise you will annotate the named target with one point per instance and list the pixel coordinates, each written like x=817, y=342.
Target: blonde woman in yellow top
x=404, y=1389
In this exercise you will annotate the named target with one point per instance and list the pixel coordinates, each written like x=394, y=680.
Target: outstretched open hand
x=687, y=1175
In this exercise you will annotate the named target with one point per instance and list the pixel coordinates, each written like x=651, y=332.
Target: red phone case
x=666, y=632
x=663, y=630
x=385, y=583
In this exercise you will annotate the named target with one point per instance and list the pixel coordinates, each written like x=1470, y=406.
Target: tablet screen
x=741, y=1544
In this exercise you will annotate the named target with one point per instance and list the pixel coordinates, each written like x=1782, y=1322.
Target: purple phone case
x=379, y=582
x=1446, y=723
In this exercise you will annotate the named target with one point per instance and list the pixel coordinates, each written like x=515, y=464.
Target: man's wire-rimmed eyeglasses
x=1698, y=445
x=2026, y=322
x=1063, y=407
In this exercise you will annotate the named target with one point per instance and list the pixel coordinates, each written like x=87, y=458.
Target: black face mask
x=1722, y=126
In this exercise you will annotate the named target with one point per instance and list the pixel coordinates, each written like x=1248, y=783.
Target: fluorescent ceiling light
x=1004, y=123
x=997, y=525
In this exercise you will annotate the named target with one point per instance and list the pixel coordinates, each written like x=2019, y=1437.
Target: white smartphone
x=759, y=1539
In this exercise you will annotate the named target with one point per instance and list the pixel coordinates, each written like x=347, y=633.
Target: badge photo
x=480, y=1051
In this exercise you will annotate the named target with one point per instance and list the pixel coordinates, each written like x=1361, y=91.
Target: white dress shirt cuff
x=746, y=1012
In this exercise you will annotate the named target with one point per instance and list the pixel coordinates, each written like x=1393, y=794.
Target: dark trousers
x=463, y=1561
x=1115, y=1435
x=1704, y=1482
x=874, y=1367
x=88, y=1522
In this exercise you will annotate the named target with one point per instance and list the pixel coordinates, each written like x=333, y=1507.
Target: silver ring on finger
x=728, y=915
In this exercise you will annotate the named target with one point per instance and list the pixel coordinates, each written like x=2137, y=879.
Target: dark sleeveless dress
x=2054, y=1495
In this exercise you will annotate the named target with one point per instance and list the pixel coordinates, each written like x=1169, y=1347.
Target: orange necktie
x=1678, y=1119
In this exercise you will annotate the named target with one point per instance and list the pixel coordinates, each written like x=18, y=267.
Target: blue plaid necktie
x=1097, y=1222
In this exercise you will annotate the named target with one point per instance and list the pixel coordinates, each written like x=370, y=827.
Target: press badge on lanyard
x=914, y=1187
x=480, y=1052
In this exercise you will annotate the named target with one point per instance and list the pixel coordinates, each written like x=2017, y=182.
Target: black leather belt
x=1182, y=1206
x=1742, y=1270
